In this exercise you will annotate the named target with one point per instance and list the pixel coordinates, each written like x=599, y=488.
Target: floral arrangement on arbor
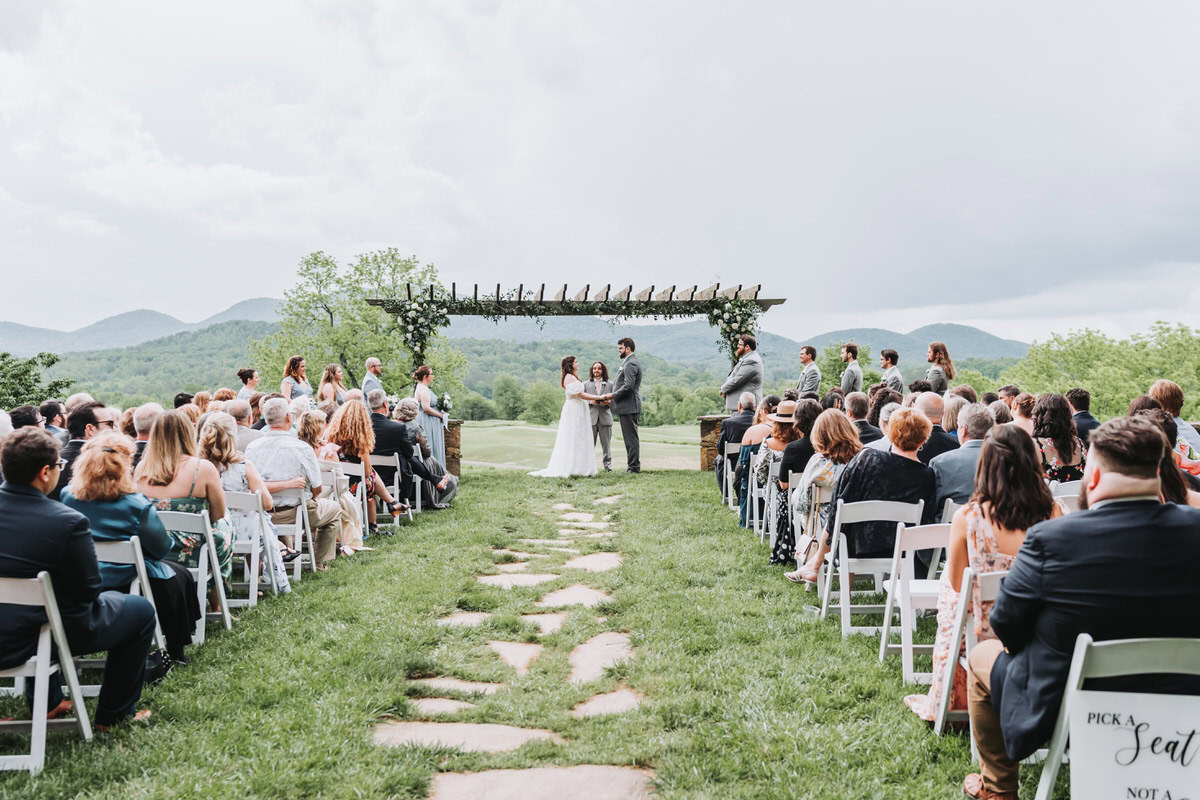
x=419, y=319
x=732, y=318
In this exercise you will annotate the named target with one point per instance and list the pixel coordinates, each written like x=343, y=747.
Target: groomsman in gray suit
x=746, y=375
x=602, y=421
x=888, y=359
x=810, y=378
x=627, y=403
x=852, y=376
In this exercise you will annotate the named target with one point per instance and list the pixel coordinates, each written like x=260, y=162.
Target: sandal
x=973, y=787
x=140, y=716
x=290, y=555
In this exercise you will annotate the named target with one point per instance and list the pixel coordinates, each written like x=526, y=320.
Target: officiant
x=602, y=419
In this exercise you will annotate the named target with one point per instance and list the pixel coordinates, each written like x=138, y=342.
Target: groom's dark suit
x=627, y=405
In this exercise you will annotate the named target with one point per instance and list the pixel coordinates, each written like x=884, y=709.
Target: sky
x=1022, y=167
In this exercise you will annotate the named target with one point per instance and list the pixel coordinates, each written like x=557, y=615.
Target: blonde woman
x=201, y=400
x=331, y=388
x=310, y=429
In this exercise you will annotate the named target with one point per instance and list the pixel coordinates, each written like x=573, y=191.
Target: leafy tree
x=975, y=379
x=543, y=404
x=21, y=380
x=508, y=396
x=475, y=406
x=326, y=319
x=832, y=367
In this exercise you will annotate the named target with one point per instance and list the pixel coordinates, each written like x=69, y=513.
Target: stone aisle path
x=589, y=660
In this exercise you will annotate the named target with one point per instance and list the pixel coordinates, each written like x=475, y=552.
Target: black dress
x=795, y=459
x=881, y=475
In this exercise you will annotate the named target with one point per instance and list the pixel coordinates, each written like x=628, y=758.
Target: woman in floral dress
x=1062, y=453
x=783, y=432
x=985, y=535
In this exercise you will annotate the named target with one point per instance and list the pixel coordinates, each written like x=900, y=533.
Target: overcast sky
x=1020, y=167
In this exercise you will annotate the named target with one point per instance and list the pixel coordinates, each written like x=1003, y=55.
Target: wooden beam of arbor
x=563, y=304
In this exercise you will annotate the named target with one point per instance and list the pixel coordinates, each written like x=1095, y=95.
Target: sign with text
x=1135, y=746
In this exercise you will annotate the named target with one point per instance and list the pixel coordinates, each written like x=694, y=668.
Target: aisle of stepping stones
x=522, y=563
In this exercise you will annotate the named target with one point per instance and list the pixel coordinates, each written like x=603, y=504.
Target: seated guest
x=966, y=391
x=808, y=396
x=392, y=437
x=352, y=435
x=955, y=469
x=249, y=379
x=182, y=399
x=240, y=411
x=201, y=400
x=771, y=452
x=78, y=399
x=260, y=422
x=89, y=419
x=287, y=464
x=857, y=409
x=985, y=535
x=896, y=475
x=833, y=399
x=1089, y=572
x=878, y=402
x=26, y=417
x=357, y=394
x=224, y=395
x=789, y=394
x=1143, y=402
x=800, y=449
x=328, y=408
x=920, y=386
x=751, y=442
x=1079, y=401
x=55, y=416
x=311, y=430
x=1173, y=480
x=835, y=443
x=406, y=412
x=951, y=405
x=1001, y=412
x=102, y=490
x=172, y=476
x=191, y=412
x=987, y=398
x=1170, y=396
x=1009, y=395
x=5, y=425
x=125, y=424
x=885, y=417
x=143, y=420
x=733, y=428
x=298, y=407
x=39, y=534
x=1063, y=455
x=938, y=441
x=1022, y=411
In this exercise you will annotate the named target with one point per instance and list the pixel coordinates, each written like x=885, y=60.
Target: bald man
x=374, y=369
x=930, y=404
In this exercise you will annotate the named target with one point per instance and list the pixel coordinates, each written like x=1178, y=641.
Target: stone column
x=454, y=447
x=710, y=428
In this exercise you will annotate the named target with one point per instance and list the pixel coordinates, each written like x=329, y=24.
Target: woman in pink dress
x=1010, y=496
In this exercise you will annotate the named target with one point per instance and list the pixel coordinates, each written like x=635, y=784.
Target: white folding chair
x=729, y=466
x=263, y=554
x=129, y=551
x=848, y=513
x=299, y=530
x=1113, y=659
x=39, y=593
x=989, y=587
x=793, y=480
x=1072, y=503
x=1064, y=490
x=393, y=460
x=911, y=593
x=208, y=565
x=949, y=509
x=770, y=493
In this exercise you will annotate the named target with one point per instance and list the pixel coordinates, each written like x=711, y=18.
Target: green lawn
x=743, y=698
x=520, y=445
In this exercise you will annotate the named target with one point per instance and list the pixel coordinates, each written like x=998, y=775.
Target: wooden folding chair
x=989, y=587
x=848, y=513
x=39, y=593
x=208, y=564
x=910, y=593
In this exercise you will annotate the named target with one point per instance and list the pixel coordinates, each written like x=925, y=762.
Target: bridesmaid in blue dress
x=430, y=419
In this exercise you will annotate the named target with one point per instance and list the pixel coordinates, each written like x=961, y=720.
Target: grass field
x=743, y=697
x=520, y=445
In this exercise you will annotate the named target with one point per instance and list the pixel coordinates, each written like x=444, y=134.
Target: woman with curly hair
x=350, y=431
x=1062, y=453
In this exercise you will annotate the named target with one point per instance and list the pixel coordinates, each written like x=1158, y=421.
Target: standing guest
x=240, y=411
x=249, y=379
x=351, y=432
x=89, y=419
x=602, y=419
x=38, y=534
x=835, y=443
x=201, y=400
x=125, y=425
x=888, y=359
x=810, y=378
x=55, y=416
x=857, y=410
x=102, y=490
x=1001, y=411
x=1170, y=396
x=885, y=416
x=392, y=438
x=182, y=399
x=173, y=477
x=406, y=413
x=1008, y=498
x=1009, y=395
x=1089, y=572
x=920, y=386
x=733, y=428
x=938, y=441
x=951, y=405
x=143, y=420
x=941, y=369
x=371, y=381
x=852, y=376
x=880, y=400
x=746, y=375
x=954, y=470
x=964, y=390
x=1080, y=402
x=26, y=417
x=295, y=379
x=1063, y=454
x=1022, y=411
x=987, y=398
x=771, y=452
x=896, y=475
x=432, y=421
x=331, y=388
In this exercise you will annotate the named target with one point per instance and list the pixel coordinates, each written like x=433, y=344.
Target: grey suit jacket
x=627, y=398
x=937, y=378
x=746, y=376
x=601, y=415
x=852, y=378
x=810, y=379
x=893, y=379
x=955, y=472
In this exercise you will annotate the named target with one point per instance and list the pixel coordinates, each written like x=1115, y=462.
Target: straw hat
x=785, y=412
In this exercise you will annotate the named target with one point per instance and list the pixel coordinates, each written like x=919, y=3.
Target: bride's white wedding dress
x=574, y=453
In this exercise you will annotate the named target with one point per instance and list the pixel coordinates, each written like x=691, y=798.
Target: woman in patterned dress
x=1062, y=453
x=783, y=433
x=986, y=534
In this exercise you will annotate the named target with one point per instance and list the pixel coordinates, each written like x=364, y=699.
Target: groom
x=627, y=402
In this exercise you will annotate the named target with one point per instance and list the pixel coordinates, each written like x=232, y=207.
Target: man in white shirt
x=374, y=370
x=888, y=359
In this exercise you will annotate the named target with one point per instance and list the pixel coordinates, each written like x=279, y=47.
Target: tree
x=326, y=319
x=508, y=396
x=475, y=406
x=832, y=367
x=21, y=380
x=543, y=404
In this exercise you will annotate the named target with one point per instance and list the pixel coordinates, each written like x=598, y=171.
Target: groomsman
x=627, y=402
x=810, y=378
x=746, y=375
x=891, y=373
x=602, y=420
x=852, y=377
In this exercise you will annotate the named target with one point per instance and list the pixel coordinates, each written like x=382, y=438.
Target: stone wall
x=454, y=447
x=710, y=429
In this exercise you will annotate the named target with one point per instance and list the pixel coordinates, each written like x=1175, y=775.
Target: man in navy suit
x=1080, y=401
x=1123, y=569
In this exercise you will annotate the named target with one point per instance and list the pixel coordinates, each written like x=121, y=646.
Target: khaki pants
x=1000, y=773
x=322, y=519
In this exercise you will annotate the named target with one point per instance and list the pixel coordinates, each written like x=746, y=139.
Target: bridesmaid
x=430, y=419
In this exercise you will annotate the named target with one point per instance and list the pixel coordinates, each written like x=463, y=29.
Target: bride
x=574, y=451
